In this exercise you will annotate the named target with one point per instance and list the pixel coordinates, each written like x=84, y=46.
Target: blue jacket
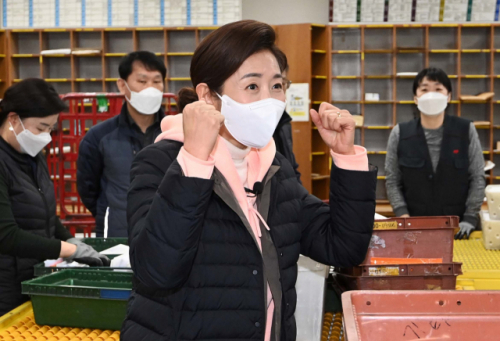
x=103, y=170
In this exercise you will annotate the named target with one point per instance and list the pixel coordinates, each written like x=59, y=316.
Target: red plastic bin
x=421, y=315
x=401, y=277
x=415, y=237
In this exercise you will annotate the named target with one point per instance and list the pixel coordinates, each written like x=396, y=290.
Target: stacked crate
x=406, y=254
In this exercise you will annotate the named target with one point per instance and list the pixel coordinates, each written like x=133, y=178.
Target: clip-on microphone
x=258, y=188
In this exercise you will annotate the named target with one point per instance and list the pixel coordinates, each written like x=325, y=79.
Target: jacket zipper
x=47, y=220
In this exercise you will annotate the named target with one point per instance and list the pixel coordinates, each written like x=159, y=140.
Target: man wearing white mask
x=435, y=164
x=107, y=150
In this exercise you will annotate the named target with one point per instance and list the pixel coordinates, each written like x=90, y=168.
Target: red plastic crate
x=415, y=237
x=83, y=114
x=421, y=315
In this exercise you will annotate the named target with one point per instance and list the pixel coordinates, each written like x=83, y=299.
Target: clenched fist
x=336, y=127
x=201, y=124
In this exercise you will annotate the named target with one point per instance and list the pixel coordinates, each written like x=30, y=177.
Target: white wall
x=279, y=12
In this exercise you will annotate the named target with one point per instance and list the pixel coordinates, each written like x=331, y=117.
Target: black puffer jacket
x=200, y=275
x=30, y=230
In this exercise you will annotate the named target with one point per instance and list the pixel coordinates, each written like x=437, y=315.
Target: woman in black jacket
x=217, y=219
x=30, y=230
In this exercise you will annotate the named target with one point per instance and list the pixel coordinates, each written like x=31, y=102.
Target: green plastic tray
x=99, y=244
x=80, y=298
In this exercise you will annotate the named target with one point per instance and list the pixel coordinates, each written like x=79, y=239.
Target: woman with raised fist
x=218, y=219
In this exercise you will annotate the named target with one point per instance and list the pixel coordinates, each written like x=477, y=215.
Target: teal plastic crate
x=99, y=244
x=80, y=298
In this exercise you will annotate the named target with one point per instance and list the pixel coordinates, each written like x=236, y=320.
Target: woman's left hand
x=336, y=127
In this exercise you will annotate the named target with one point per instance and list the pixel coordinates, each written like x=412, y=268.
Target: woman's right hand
x=201, y=123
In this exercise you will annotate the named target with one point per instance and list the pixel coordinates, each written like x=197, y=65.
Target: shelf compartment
x=119, y=42
x=475, y=64
x=26, y=68
x=56, y=40
x=88, y=67
x=25, y=42
x=378, y=64
x=381, y=86
x=111, y=67
x=346, y=65
x=476, y=111
x=404, y=90
x=346, y=39
x=405, y=113
x=181, y=41
x=57, y=68
x=346, y=90
x=88, y=40
x=153, y=41
x=443, y=37
x=378, y=116
x=448, y=62
x=410, y=38
x=377, y=138
x=179, y=66
x=413, y=62
x=475, y=38
x=378, y=39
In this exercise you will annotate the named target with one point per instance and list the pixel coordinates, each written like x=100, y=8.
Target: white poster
x=372, y=10
x=297, y=101
x=427, y=10
x=455, y=10
x=400, y=10
x=483, y=10
x=344, y=10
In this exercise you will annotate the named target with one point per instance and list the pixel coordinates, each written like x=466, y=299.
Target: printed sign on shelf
x=297, y=102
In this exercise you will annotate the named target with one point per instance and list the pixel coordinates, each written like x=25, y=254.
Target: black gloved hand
x=86, y=254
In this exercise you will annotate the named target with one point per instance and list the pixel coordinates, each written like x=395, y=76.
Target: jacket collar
x=14, y=154
x=125, y=122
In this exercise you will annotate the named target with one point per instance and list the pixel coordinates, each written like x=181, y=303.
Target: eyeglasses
x=286, y=83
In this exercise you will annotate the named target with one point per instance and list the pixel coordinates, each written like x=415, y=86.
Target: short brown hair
x=223, y=51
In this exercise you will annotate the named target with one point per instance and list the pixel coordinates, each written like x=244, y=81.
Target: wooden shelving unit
x=368, y=58
x=309, y=63
x=94, y=72
x=364, y=59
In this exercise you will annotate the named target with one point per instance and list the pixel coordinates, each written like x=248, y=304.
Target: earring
x=11, y=129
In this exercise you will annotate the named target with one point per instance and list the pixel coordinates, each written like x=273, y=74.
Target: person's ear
x=122, y=87
x=204, y=93
x=449, y=97
x=415, y=99
x=13, y=119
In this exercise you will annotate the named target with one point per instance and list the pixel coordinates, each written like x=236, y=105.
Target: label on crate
x=383, y=271
x=385, y=225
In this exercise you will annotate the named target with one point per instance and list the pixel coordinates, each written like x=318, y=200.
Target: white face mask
x=147, y=102
x=252, y=124
x=30, y=143
x=432, y=103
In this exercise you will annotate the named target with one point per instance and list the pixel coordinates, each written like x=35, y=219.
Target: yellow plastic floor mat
x=19, y=325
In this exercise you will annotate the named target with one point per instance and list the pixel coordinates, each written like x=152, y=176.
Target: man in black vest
x=434, y=164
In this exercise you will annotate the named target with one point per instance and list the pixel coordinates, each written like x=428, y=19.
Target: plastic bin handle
x=115, y=294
